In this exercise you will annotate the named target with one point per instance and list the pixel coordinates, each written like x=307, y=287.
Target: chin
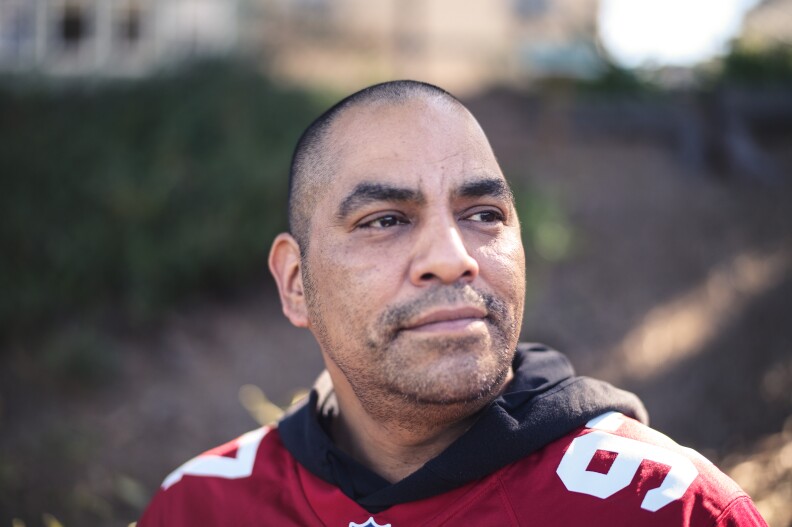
x=450, y=376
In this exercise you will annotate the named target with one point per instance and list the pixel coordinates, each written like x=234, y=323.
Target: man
x=404, y=260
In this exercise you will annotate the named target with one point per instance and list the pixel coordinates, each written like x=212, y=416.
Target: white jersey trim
x=237, y=467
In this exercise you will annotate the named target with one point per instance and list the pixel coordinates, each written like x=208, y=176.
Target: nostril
x=427, y=276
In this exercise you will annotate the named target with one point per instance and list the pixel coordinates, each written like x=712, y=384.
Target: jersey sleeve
x=214, y=488
x=741, y=513
x=618, y=472
x=159, y=513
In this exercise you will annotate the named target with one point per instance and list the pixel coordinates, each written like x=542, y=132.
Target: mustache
x=398, y=316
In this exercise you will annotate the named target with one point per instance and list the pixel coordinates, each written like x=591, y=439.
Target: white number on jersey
x=629, y=455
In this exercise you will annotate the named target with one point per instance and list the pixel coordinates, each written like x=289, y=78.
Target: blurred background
x=144, y=150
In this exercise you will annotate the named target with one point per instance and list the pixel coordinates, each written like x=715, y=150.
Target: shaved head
x=314, y=160
x=401, y=216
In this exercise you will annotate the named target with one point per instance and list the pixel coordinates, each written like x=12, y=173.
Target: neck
x=412, y=434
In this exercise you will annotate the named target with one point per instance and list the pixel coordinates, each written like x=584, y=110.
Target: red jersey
x=613, y=472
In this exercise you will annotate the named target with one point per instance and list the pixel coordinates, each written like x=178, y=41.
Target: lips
x=447, y=319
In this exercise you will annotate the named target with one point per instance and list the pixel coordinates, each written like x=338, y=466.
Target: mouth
x=463, y=319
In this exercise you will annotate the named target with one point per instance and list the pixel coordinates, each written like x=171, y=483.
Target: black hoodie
x=544, y=402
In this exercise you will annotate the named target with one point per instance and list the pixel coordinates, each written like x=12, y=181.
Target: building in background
x=332, y=43
x=768, y=25
x=348, y=43
x=112, y=37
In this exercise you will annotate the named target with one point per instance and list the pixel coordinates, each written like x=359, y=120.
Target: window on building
x=73, y=26
x=130, y=25
x=530, y=8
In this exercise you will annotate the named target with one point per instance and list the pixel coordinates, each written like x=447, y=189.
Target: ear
x=285, y=265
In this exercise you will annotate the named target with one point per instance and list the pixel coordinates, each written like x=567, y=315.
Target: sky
x=669, y=32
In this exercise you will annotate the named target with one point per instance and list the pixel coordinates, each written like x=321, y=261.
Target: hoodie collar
x=544, y=402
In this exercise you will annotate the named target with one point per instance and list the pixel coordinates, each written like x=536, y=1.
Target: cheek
x=504, y=251
x=502, y=265
x=352, y=287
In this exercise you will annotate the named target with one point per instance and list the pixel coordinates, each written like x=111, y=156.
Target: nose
x=440, y=256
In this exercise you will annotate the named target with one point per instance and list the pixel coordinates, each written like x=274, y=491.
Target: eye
x=383, y=222
x=486, y=216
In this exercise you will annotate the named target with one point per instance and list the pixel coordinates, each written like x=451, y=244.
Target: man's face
x=415, y=271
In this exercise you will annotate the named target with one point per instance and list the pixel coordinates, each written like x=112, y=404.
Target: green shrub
x=617, y=80
x=546, y=230
x=135, y=194
x=763, y=66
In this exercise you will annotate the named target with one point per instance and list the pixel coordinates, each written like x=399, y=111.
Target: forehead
x=424, y=144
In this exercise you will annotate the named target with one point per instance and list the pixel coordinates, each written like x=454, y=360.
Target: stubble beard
x=397, y=374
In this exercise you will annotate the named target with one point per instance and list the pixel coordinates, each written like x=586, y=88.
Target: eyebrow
x=495, y=187
x=365, y=193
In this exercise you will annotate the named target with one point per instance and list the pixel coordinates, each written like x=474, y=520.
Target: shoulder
x=220, y=486
x=624, y=472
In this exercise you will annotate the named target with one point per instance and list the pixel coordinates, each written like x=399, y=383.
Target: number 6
x=629, y=455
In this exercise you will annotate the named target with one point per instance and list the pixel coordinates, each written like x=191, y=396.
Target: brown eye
x=486, y=216
x=384, y=222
